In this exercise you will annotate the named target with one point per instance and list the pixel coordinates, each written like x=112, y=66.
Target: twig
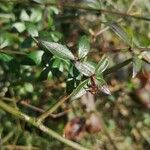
x=120, y=50
x=12, y=52
x=83, y=7
x=131, y=6
x=108, y=135
x=119, y=20
x=51, y=110
x=7, y=137
x=40, y=126
x=24, y=103
x=42, y=110
x=60, y=114
x=107, y=71
x=20, y=147
x=100, y=10
x=8, y=99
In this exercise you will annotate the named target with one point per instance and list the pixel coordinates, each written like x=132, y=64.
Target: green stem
x=84, y=7
x=7, y=137
x=75, y=6
x=12, y=52
x=40, y=126
x=51, y=110
x=108, y=71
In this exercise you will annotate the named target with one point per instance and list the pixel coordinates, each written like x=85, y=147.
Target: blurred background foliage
x=33, y=77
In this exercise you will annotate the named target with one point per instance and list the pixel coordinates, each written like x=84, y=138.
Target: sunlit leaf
x=32, y=29
x=102, y=65
x=36, y=15
x=137, y=65
x=56, y=36
x=95, y=4
x=19, y=26
x=85, y=68
x=24, y=16
x=8, y=39
x=121, y=33
x=80, y=90
x=5, y=57
x=83, y=47
x=79, y=94
x=58, y=50
x=37, y=1
x=100, y=80
x=58, y=64
x=36, y=56
x=29, y=87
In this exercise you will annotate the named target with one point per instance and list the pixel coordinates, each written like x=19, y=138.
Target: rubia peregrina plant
x=18, y=75
x=91, y=75
x=94, y=73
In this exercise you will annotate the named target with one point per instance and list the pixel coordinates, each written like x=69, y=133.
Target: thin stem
x=119, y=20
x=107, y=71
x=42, y=110
x=7, y=137
x=105, y=130
x=20, y=147
x=131, y=6
x=24, y=103
x=51, y=110
x=117, y=67
x=83, y=7
x=8, y=99
x=40, y=126
x=75, y=6
x=12, y=52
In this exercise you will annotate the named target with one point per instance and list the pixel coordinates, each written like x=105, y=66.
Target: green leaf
x=5, y=57
x=24, y=16
x=3, y=41
x=36, y=15
x=58, y=64
x=36, y=56
x=102, y=65
x=85, y=68
x=56, y=36
x=44, y=74
x=29, y=87
x=19, y=26
x=32, y=29
x=37, y=1
x=8, y=39
x=80, y=90
x=100, y=80
x=58, y=50
x=83, y=47
x=121, y=33
x=95, y=4
x=137, y=65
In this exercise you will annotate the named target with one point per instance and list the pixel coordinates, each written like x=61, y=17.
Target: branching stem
x=40, y=126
